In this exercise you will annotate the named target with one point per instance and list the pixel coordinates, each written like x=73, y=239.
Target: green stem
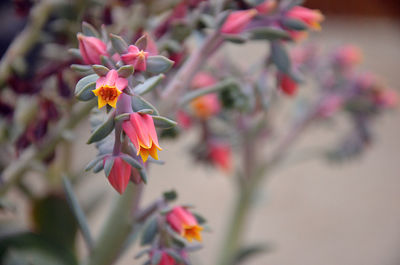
x=251, y=183
x=234, y=233
x=118, y=227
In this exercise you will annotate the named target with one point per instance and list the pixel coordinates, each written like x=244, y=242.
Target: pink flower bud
x=266, y=7
x=120, y=174
x=108, y=88
x=166, y=259
x=288, y=85
x=91, y=49
x=183, y=119
x=203, y=79
x=312, y=18
x=184, y=223
x=388, y=98
x=135, y=57
x=142, y=133
x=208, y=105
x=348, y=56
x=237, y=21
x=221, y=155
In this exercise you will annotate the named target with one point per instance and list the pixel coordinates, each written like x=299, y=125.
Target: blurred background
x=311, y=212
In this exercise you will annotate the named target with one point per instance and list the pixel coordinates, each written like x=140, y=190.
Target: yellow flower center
x=192, y=232
x=107, y=95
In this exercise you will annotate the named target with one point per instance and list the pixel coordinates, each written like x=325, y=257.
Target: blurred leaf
x=89, y=30
x=170, y=195
x=158, y=64
x=131, y=161
x=163, y=122
x=126, y=71
x=150, y=231
x=139, y=103
x=118, y=43
x=268, y=33
x=82, y=69
x=141, y=43
x=247, y=252
x=54, y=220
x=100, y=70
x=200, y=219
x=29, y=248
x=78, y=213
x=237, y=39
x=148, y=85
x=223, y=85
x=294, y=24
x=108, y=165
x=280, y=57
x=94, y=162
x=156, y=258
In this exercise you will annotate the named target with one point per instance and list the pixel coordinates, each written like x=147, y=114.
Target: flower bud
x=348, y=56
x=221, y=155
x=237, y=21
x=183, y=222
x=91, y=49
x=135, y=57
x=312, y=18
x=120, y=174
x=288, y=85
x=142, y=133
x=208, y=105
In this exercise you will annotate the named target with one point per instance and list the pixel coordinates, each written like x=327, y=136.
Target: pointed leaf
x=131, y=161
x=126, y=71
x=237, y=39
x=108, y=165
x=294, y=24
x=150, y=231
x=84, y=87
x=75, y=52
x=94, y=162
x=268, y=33
x=158, y=64
x=148, y=85
x=100, y=70
x=118, y=43
x=139, y=103
x=163, y=122
x=146, y=111
x=156, y=258
x=82, y=69
x=122, y=117
x=143, y=175
x=280, y=57
x=89, y=30
x=102, y=130
x=78, y=212
x=141, y=43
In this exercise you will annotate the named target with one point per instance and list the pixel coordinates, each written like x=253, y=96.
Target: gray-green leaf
x=158, y=64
